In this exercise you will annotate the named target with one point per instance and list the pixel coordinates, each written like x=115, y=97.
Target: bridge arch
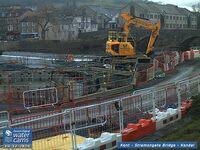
x=186, y=43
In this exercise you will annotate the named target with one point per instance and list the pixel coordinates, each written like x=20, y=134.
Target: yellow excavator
x=118, y=44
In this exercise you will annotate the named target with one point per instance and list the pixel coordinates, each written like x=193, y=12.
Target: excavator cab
x=118, y=44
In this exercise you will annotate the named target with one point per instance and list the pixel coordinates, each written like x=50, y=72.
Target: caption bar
x=174, y=145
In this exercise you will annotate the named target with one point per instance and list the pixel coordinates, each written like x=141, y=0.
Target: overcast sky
x=181, y=3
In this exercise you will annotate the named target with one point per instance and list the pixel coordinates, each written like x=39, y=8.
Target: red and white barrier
x=168, y=67
x=166, y=117
x=107, y=141
x=177, y=58
x=192, y=54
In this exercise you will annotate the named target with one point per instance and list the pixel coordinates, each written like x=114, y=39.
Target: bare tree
x=196, y=7
x=43, y=18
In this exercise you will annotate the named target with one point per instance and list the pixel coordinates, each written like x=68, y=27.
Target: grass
x=191, y=131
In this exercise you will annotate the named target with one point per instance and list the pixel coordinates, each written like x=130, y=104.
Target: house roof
x=13, y=12
x=101, y=10
x=159, y=8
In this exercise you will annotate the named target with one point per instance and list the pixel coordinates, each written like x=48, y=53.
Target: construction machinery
x=118, y=43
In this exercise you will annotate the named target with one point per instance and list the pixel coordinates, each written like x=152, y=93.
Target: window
x=174, y=25
x=170, y=17
x=181, y=26
x=99, y=17
x=142, y=15
x=23, y=30
x=165, y=121
x=170, y=25
x=171, y=118
x=10, y=27
x=23, y=23
x=167, y=25
x=180, y=18
x=177, y=18
x=166, y=17
x=155, y=16
x=151, y=16
x=177, y=116
x=174, y=17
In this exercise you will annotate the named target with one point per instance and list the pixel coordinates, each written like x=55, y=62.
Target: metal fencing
x=40, y=97
x=4, y=123
x=68, y=128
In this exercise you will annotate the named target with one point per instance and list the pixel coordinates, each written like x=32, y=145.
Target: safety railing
x=4, y=123
x=40, y=97
x=71, y=126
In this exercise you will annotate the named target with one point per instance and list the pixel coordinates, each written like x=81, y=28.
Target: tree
x=43, y=18
x=196, y=7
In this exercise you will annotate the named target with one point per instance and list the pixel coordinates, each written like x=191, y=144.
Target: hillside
x=117, y=3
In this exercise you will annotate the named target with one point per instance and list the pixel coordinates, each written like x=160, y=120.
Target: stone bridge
x=171, y=39
x=94, y=43
x=176, y=39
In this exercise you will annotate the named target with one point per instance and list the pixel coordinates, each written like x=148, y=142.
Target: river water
x=40, y=60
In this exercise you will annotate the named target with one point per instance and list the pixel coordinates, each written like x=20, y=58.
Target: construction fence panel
x=194, y=86
x=132, y=109
x=147, y=101
x=3, y=93
x=150, y=73
x=171, y=94
x=94, y=117
x=160, y=98
x=4, y=123
x=56, y=129
x=91, y=121
x=40, y=97
x=190, y=87
x=47, y=130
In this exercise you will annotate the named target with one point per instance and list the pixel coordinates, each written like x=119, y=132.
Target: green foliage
x=190, y=132
x=195, y=111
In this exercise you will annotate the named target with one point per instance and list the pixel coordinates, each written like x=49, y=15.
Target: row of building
x=18, y=22
x=171, y=16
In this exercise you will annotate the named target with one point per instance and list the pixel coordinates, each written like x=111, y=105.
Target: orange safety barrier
x=185, y=105
x=136, y=131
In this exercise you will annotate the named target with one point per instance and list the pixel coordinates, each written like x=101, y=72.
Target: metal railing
x=110, y=116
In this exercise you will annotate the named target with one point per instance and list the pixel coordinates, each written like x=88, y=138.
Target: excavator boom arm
x=155, y=28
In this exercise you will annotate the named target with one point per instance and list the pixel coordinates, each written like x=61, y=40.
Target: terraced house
x=9, y=21
x=171, y=16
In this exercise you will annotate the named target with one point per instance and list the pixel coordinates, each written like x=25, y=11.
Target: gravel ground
x=184, y=70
